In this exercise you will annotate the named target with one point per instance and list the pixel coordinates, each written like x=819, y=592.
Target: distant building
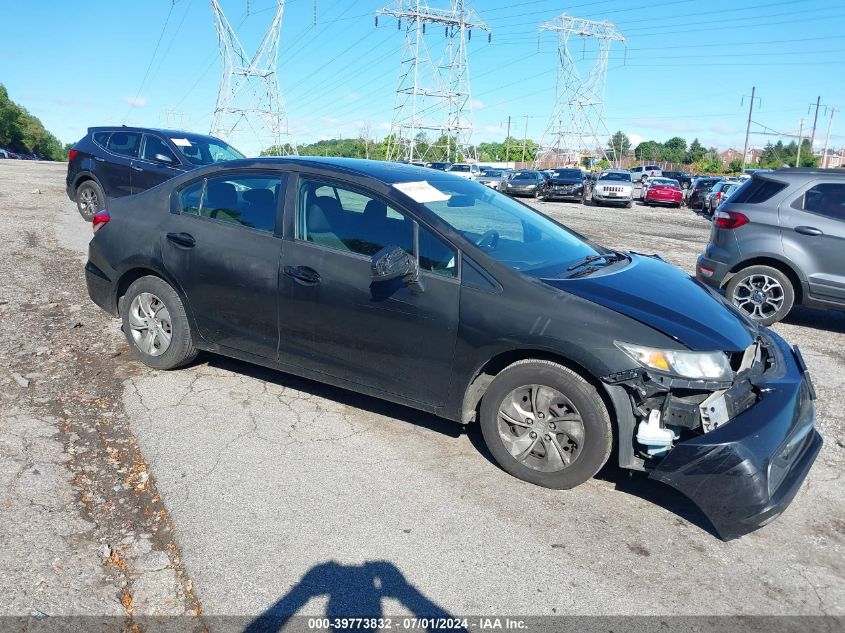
x=833, y=159
x=752, y=156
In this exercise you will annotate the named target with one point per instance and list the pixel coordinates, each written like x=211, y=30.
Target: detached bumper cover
x=744, y=474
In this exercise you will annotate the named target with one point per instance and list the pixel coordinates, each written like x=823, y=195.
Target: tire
x=767, y=309
x=89, y=199
x=169, y=314
x=586, y=442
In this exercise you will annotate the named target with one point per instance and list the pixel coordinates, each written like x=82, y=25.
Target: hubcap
x=759, y=296
x=541, y=428
x=88, y=200
x=149, y=322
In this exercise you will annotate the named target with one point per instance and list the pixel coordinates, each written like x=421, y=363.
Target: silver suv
x=779, y=240
x=613, y=186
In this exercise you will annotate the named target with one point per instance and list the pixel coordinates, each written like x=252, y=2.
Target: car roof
x=162, y=131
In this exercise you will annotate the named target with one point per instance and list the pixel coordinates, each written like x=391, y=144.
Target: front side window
x=347, y=220
x=507, y=230
x=204, y=150
x=827, y=199
x=124, y=143
x=153, y=147
x=246, y=200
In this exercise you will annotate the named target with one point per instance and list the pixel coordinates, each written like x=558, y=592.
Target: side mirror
x=161, y=158
x=392, y=262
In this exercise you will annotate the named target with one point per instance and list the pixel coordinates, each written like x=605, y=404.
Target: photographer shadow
x=353, y=591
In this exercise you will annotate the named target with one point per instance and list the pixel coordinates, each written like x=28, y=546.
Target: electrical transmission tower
x=577, y=127
x=433, y=96
x=250, y=112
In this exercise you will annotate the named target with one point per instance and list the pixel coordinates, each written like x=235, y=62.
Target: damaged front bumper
x=744, y=474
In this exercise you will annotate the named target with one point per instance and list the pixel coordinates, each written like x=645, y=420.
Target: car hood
x=667, y=299
x=567, y=181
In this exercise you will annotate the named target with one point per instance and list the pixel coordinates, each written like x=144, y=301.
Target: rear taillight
x=72, y=154
x=100, y=220
x=719, y=196
x=729, y=219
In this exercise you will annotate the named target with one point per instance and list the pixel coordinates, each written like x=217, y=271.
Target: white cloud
x=138, y=102
x=477, y=104
x=636, y=139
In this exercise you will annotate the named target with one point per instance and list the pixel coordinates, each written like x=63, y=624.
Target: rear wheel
x=155, y=324
x=90, y=199
x=545, y=424
x=763, y=293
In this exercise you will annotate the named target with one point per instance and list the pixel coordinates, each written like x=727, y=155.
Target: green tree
x=695, y=152
x=674, y=150
x=22, y=132
x=735, y=166
x=618, y=146
x=649, y=151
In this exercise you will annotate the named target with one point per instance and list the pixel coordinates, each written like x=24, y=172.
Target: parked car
x=566, y=184
x=645, y=171
x=525, y=182
x=439, y=166
x=779, y=240
x=4, y=153
x=699, y=189
x=471, y=171
x=663, y=191
x=110, y=162
x=683, y=178
x=438, y=293
x=613, y=186
x=719, y=193
x=493, y=178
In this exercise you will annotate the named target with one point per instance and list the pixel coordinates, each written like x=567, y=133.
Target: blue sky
x=688, y=64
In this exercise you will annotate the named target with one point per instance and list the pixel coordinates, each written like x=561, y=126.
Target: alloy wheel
x=541, y=428
x=89, y=201
x=759, y=296
x=150, y=324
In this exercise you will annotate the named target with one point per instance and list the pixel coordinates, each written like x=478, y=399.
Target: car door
x=114, y=167
x=337, y=321
x=813, y=234
x=155, y=164
x=222, y=248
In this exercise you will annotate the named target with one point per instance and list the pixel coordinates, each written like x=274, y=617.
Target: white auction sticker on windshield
x=181, y=142
x=421, y=191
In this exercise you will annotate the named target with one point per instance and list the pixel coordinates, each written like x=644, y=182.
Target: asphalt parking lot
x=285, y=492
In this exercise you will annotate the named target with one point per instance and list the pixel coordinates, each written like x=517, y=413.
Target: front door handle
x=137, y=168
x=808, y=230
x=303, y=273
x=99, y=160
x=185, y=240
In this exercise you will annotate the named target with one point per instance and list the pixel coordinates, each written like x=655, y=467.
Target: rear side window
x=827, y=199
x=124, y=143
x=757, y=190
x=101, y=138
x=245, y=200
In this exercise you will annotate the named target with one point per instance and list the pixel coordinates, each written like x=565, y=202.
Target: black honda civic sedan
x=439, y=293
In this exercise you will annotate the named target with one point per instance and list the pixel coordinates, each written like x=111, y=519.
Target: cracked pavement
x=265, y=476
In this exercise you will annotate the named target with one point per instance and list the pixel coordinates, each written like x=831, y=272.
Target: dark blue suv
x=110, y=162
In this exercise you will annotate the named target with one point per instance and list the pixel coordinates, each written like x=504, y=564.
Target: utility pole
x=433, y=92
x=827, y=137
x=748, y=127
x=577, y=124
x=800, y=135
x=815, y=120
x=508, y=142
x=525, y=138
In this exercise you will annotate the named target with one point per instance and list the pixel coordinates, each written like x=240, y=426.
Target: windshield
x=616, y=175
x=525, y=175
x=509, y=231
x=492, y=173
x=567, y=173
x=663, y=182
x=202, y=150
x=459, y=168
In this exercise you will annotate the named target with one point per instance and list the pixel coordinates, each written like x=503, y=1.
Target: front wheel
x=763, y=293
x=155, y=324
x=545, y=424
x=90, y=199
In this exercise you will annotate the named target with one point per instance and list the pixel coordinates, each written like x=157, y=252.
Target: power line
x=149, y=65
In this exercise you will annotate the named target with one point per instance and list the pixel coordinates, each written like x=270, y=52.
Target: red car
x=663, y=191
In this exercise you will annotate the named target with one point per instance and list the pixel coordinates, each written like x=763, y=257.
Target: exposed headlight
x=695, y=365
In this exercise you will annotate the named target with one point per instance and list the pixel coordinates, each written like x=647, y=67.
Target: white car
x=645, y=171
x=613, y=186
x=465, y=170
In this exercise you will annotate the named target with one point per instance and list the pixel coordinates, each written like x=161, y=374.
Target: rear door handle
x=99, y=160
x=303, y=273
x=137, y=168
x=808, y=230
x=182, y=239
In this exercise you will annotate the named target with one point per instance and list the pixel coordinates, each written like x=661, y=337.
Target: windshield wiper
x=609, y=258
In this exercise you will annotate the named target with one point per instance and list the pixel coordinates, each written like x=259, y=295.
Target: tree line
x=21, y=132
